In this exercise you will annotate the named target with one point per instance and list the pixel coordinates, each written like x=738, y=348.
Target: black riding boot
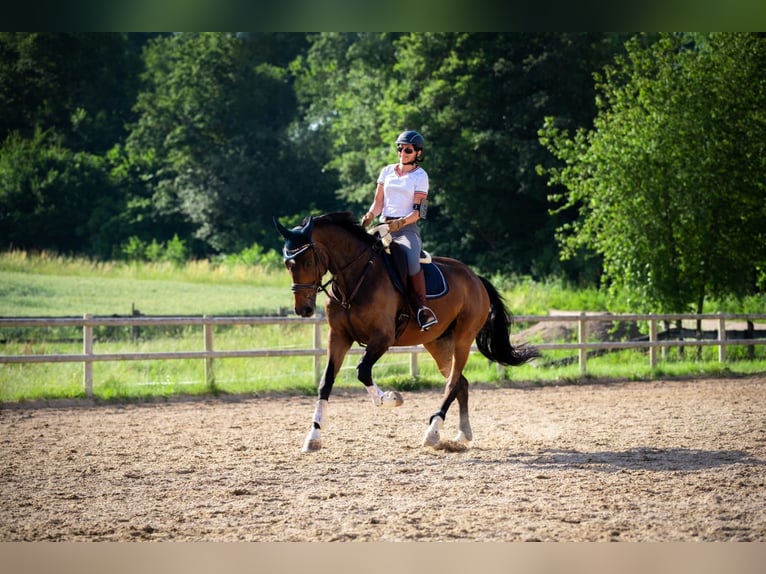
x=426, y=317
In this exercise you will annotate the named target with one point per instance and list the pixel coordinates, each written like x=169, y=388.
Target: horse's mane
x=347, y=221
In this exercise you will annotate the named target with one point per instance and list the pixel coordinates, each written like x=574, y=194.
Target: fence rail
x=722, y=339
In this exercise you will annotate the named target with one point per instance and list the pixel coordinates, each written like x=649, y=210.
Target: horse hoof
x=390, y=399
x=313, y=442
x=431, y=438
x=462, y=438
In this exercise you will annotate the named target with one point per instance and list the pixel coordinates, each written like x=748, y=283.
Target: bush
x=174, y=251
x=256, y=256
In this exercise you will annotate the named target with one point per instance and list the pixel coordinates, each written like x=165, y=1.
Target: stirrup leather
x=430, y=318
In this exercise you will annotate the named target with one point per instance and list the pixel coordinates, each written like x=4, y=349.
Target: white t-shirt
x=399, y=190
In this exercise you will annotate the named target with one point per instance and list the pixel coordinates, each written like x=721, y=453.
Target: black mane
x=347, y=221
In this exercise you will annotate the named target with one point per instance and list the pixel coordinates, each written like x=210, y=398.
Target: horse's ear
x=283, y=231
x=308, y=228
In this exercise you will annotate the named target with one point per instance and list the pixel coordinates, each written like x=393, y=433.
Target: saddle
x=396, y=264
x=395, y=259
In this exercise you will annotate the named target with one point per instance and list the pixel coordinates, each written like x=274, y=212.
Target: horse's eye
x=308, y=263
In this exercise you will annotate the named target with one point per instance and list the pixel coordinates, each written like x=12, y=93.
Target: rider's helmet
x=415, y=140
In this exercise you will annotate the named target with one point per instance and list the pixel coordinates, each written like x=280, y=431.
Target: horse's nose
x=304, y=310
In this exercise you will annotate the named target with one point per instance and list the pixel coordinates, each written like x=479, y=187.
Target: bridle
x=316, y=286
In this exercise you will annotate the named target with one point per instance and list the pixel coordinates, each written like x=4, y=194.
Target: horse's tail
x=494, y=340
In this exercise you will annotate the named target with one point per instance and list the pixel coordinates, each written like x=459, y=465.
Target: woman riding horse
x=364, y=306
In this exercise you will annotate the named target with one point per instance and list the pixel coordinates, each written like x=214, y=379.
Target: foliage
x=174, y=251
x=64, y=101
x=37, y=208
x=213, y=121
x=193, y=141
x=255, y=255
x=478, y=99
x=669, y=182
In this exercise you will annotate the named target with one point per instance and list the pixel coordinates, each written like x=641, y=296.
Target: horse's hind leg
x=465, y=434
x=442, y=350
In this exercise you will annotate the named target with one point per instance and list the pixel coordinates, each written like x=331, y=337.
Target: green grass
x=49, y=285
x=57, y=286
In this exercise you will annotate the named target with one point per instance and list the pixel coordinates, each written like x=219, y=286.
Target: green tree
x=479, y=100
x=79, y=85
x=341, y=82
x=48, y=193
x=669, y=182
x=64, y=102
x=214, y=134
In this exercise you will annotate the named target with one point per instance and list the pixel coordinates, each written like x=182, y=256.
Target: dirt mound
x=566, y=331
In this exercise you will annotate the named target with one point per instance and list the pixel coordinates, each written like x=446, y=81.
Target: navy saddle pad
x=436, y=284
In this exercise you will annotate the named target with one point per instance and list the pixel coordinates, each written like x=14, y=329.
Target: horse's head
x=303, y=263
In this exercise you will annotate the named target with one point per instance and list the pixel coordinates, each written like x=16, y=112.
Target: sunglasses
x=405, y=149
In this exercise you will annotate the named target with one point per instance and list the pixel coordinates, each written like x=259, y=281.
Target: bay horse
x=364, y=306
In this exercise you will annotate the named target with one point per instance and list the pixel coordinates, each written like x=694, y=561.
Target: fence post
x=317, y=346
x=722, y=339
x=749, y=335
x=583, y=353
x=413, y=364
x=207, y=329
x=653, y=339
x=87, y=350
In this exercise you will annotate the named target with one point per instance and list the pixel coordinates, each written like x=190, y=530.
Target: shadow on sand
x=641, y=458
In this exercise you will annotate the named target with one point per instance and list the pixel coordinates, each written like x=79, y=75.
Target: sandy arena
x=624, y=461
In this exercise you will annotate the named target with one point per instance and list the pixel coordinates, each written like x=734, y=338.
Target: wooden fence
x=720, y=338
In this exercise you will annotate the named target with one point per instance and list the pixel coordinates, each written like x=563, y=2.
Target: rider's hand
x=367, y=219
x=396, y=224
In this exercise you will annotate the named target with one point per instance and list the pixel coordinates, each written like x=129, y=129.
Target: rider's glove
x=396, y=224
x=367, y=219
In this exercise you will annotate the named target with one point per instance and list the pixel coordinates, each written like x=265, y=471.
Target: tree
x=213, y=132
x=48, y=192
x=79, y=85
x=669, y=183
x=64, y=102
x=479, y=100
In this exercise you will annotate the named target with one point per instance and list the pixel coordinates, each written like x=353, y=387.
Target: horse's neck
x=345, y=253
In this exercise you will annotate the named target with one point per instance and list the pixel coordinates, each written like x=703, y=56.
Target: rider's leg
x=426, y=316
x=409, y=239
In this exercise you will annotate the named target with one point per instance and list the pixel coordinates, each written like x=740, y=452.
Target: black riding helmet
x=415, y=140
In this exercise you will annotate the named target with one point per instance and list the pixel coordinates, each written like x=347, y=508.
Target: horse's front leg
x=337, y=347
x=375, y=350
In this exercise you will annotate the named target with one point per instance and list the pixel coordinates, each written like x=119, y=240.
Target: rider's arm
x=414, y=215
x=377, y=204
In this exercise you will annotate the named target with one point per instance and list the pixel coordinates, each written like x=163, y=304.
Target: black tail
x=494, y=338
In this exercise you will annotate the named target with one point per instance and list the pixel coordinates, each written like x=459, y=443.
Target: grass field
x=46, y=285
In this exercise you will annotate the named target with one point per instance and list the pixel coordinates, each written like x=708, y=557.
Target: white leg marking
x=313, y=441
x=320, y=414
x=432, y=438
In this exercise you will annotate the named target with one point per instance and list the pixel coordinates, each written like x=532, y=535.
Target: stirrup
x=429, y=322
